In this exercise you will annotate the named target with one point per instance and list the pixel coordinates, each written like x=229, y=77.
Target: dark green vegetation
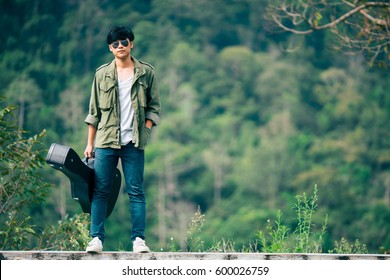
x=250, y=119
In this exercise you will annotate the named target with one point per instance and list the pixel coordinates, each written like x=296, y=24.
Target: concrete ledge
x=73, y=255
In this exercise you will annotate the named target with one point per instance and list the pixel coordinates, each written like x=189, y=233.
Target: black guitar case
x=81, y=176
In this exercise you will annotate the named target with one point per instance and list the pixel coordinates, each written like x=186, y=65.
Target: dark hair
x=119, y=33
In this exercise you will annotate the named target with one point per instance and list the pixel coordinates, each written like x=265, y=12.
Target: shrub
x=21, y=186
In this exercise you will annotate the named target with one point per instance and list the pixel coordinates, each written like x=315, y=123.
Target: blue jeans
x=106, y=160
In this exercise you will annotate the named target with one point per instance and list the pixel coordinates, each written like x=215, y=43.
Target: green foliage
x=222, y=246
x=15, y=232
x=22, y=187
x=172, y=247
x=277, y=238
x=305, y=209
x=277, y=233
x=346, y=247
x=193, y=240
x=71, y=234
x=20, y=182
x=304, y=238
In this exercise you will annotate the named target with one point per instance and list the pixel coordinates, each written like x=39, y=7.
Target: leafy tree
x=24, y=92
x=83, y=37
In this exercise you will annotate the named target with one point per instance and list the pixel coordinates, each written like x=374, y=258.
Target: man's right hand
x=91, y=138
x=89, y=151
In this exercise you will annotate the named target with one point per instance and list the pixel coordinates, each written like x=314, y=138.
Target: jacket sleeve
x=94, y=114
x=153, y=105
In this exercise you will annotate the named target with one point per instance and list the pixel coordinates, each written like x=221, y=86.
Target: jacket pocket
x=106, y=105
x=106, y=95
x=144, y=136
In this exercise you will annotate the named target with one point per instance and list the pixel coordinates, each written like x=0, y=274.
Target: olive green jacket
x=104, y=107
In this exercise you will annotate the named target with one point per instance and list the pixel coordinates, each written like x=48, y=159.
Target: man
x=124, y=106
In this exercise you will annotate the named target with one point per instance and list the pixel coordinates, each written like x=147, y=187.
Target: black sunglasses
x=124, y=43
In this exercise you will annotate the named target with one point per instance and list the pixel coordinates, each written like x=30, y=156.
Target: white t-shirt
x=127, y=111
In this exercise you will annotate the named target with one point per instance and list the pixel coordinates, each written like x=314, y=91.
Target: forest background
x=250, y=118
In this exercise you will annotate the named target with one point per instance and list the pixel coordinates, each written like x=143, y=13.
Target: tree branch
x=364, y=26
x=281, y=25
x=355, y=10
x=376, y=21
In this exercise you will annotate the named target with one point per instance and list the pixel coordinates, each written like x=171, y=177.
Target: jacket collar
x=139, y=70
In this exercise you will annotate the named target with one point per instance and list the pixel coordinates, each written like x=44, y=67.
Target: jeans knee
x=137, y=197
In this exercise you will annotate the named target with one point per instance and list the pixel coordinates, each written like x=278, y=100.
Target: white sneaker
x=139, y=246
x=95, y=246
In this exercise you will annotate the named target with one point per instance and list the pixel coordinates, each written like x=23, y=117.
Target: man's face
x=121, y=48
